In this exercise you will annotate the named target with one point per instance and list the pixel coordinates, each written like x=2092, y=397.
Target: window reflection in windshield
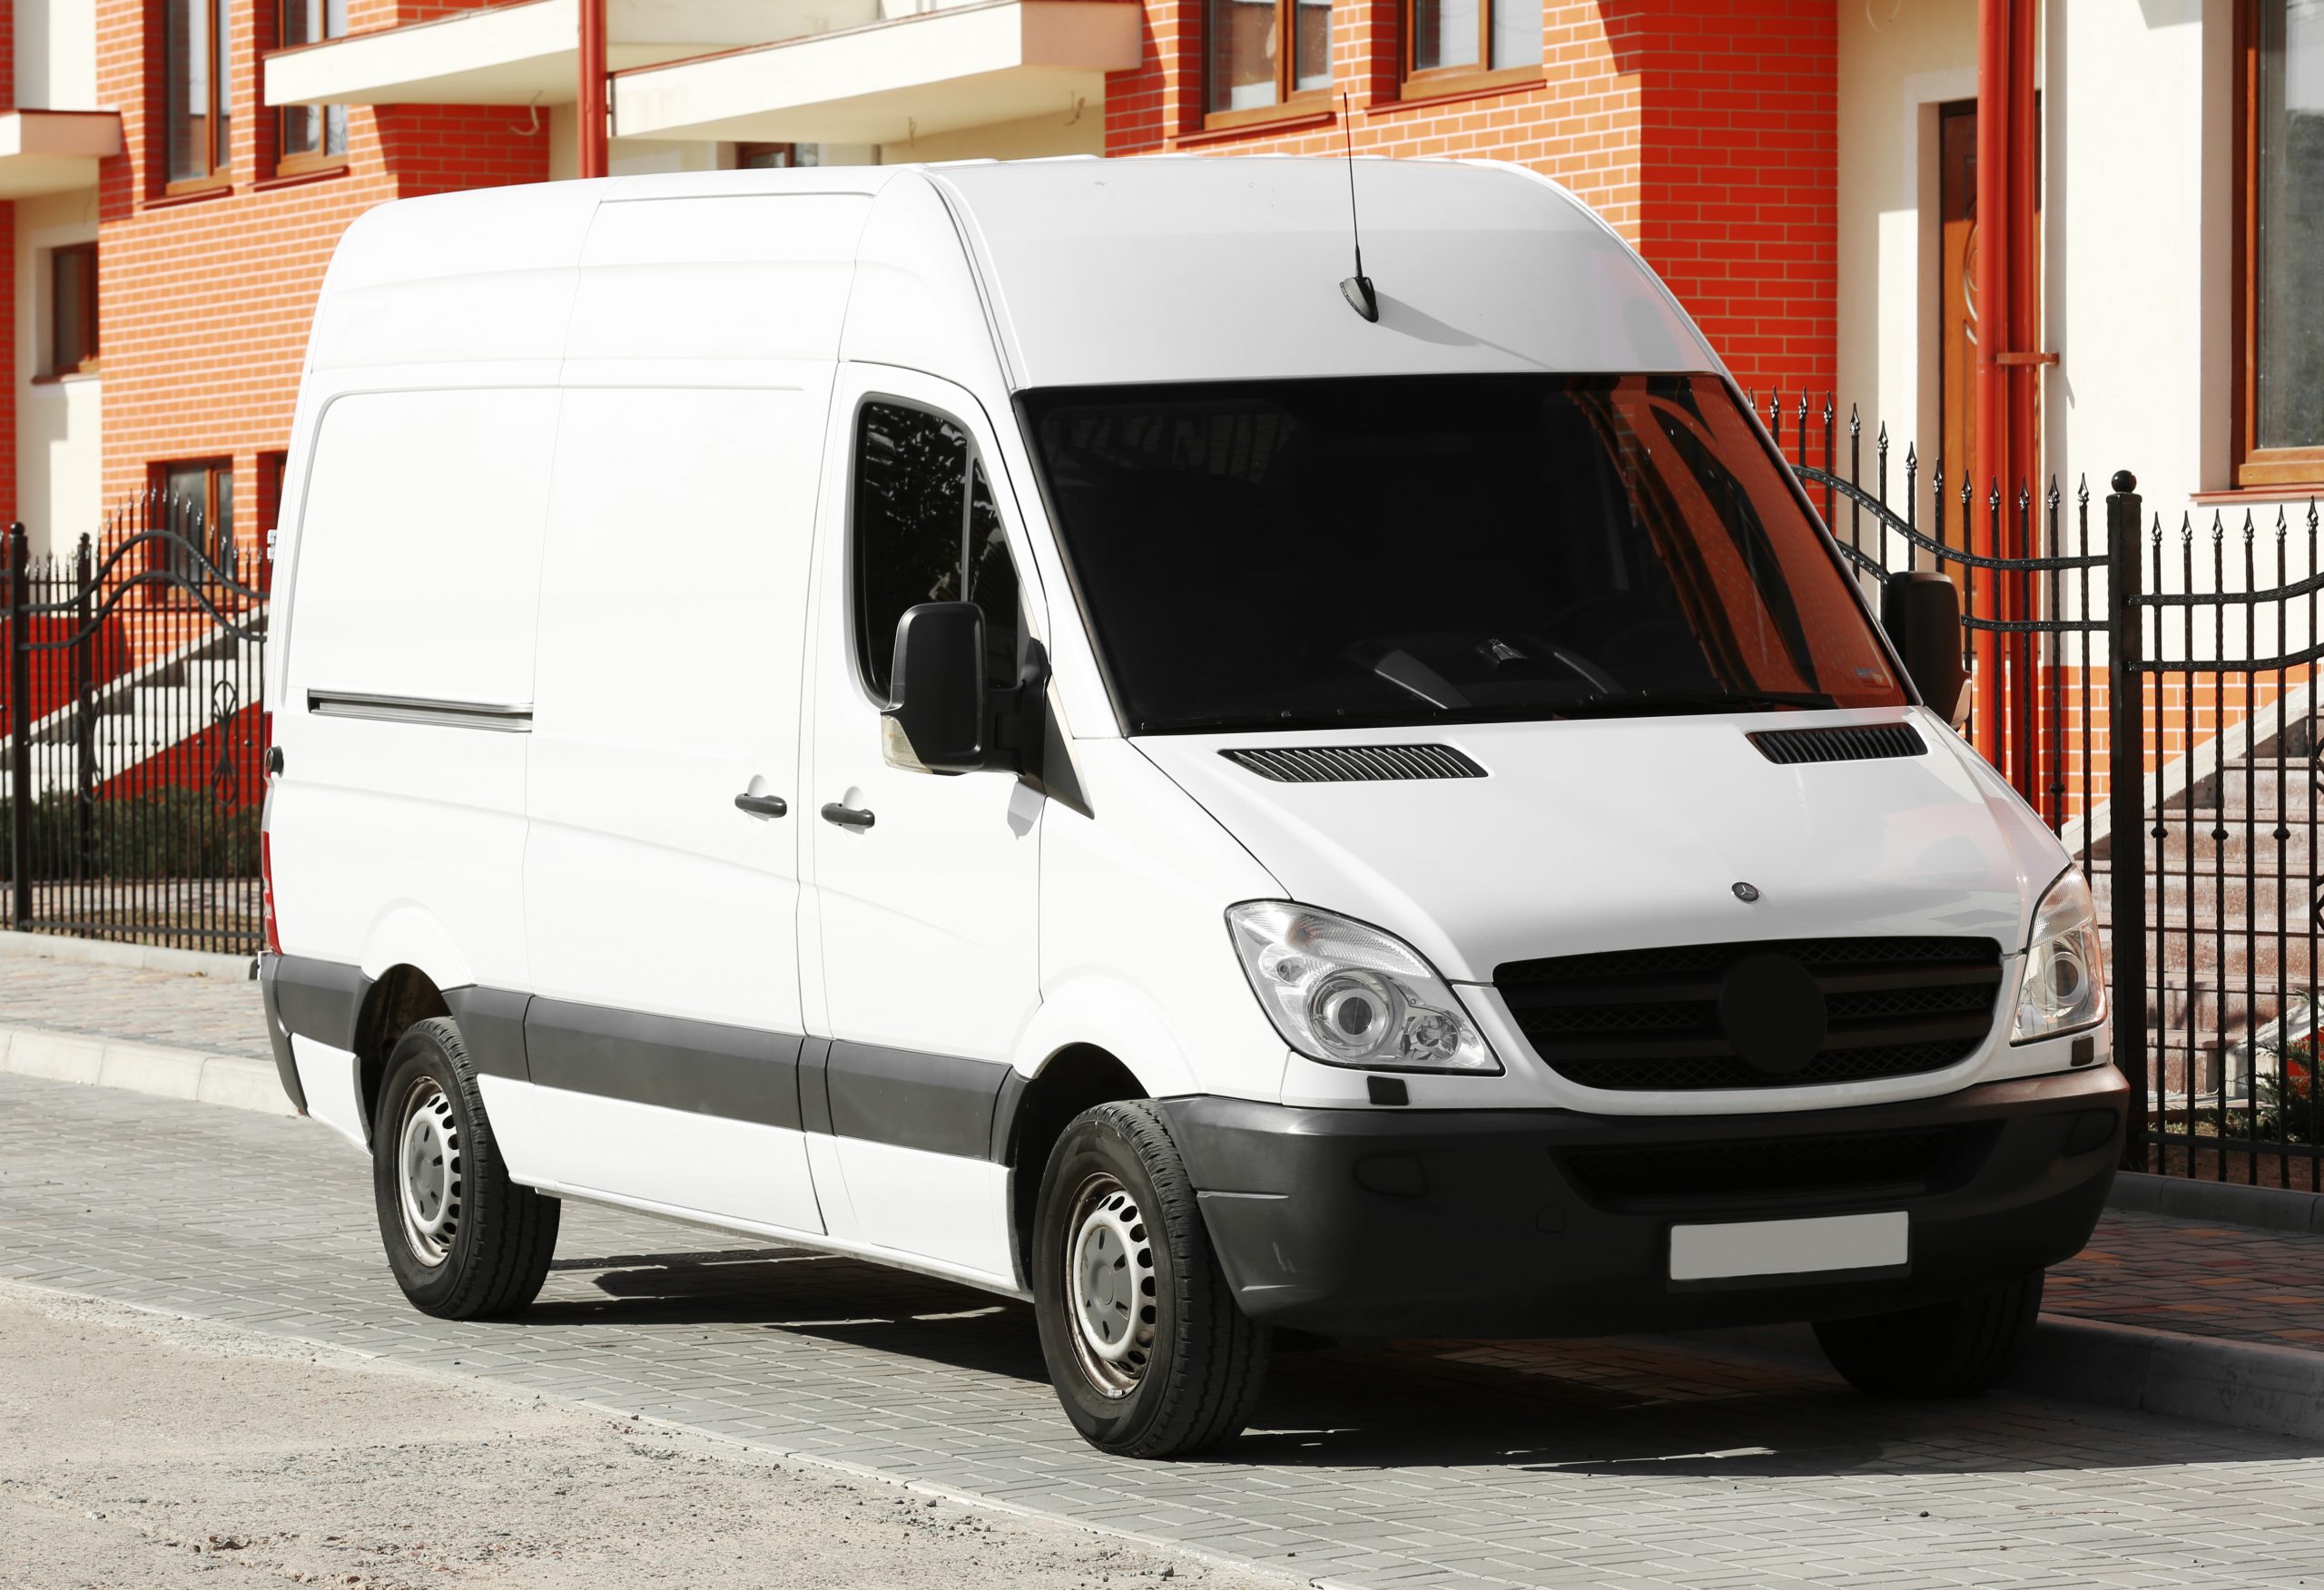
x=1415, y=550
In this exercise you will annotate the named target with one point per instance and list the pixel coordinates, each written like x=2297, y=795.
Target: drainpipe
x=592, y=110
x=2007, y=366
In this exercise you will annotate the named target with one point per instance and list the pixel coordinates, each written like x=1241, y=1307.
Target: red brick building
x=182, y=168
x=175, y=172
x=1704, y=130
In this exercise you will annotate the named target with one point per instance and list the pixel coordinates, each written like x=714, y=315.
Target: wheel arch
x=1034, y=1113
x=401, y=994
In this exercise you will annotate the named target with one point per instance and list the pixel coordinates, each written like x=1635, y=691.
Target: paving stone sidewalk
x=2140, y=1269
x=1580, y=1465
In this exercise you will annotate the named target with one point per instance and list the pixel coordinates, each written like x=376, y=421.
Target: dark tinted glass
x=925, y=532
x=2287, y=385
x=1420, y=550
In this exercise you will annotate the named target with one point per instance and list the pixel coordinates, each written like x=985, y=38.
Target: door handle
x=854, y=817
x=763, y=805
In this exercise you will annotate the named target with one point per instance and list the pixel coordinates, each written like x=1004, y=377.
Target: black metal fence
x=136, y=729
x=2153, y=698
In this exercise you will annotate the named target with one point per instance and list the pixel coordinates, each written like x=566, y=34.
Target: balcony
x=893, y=80
x=53, y=151
x=529, y=52
x=833, y=72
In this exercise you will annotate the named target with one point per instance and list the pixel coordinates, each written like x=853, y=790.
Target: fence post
x=20, y=724
x=2126, y=802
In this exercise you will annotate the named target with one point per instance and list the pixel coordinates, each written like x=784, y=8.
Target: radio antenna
x=1357, y=289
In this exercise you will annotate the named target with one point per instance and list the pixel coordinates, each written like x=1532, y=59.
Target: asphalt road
x=779, y=1378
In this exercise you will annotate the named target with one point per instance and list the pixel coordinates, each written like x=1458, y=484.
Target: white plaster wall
x=59, y=449
x=1076, y=130
x=57, y=55
x=2137, y=221
x=1900, y=60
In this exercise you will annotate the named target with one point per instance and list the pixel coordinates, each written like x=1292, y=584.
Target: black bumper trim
x=278, y=1036
x=1364, y=1223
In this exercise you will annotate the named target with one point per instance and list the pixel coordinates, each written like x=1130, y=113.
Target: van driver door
x=922, y=888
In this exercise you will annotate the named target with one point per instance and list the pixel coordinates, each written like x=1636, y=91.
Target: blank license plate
x=1789, y=1247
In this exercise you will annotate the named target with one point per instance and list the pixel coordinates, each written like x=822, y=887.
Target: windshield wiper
x=1613, y=704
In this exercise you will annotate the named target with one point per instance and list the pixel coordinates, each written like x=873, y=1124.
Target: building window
x=198, y=504
x=1266, y=53
x=2280, y=237
x=1452, y=40
x=776, y=157
x=72, y=310
x=312, y=134
x=199, y=39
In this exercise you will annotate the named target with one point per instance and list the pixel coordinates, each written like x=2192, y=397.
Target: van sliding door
x=660, y=910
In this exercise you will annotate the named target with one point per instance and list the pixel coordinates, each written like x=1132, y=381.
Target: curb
x=2242, y=1385
x=143, y=957
x=234, y=1081
x=2271, y=1209
x=2247, y=1385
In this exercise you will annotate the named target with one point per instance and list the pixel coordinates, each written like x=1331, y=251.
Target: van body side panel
x=661, y=918
x=1155, y=983
x=327, y=1079
x=417, y=560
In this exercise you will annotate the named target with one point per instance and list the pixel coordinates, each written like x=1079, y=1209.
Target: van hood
x=1635, y=833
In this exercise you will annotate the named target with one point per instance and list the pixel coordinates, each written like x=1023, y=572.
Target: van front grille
x=1762, y=1169
x=1666, y=1019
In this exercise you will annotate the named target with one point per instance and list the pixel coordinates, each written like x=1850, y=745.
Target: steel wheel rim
x=428, y=1171
x=1110, y=1286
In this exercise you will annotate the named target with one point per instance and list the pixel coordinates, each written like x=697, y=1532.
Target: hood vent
x=1867, y=743
x=1355, y=764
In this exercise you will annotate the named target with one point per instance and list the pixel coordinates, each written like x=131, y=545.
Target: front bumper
x=1374, y=1223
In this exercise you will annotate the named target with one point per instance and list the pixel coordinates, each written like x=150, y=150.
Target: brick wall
x=206, y=298
x=1705, y=131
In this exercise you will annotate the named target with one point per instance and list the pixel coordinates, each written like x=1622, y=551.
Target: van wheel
x=1149, y=1352
x=1955, y=1349
x=464, y=1241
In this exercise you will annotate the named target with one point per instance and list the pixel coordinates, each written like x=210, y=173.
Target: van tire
x=464, y=1241
x=1200, y=1363
x=1955, y=1349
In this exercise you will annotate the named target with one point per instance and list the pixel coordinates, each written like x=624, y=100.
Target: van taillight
x=266, y=892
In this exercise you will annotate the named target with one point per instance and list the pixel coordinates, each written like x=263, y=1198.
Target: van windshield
x=1417, y=550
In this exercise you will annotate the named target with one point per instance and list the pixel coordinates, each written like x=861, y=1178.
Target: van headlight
x=1349, y=995
x=2064, y=985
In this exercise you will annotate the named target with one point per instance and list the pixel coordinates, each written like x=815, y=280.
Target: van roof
x=1170, y=268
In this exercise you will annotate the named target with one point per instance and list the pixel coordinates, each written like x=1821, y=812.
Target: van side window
x=926, y=530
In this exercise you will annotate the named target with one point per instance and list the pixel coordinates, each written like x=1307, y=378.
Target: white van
x=1018, y=721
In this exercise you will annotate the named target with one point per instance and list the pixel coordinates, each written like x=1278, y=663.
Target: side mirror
x=935, y=722
x=1922, y=614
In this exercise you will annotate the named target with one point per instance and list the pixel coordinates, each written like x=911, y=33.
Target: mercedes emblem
x=1747, y=892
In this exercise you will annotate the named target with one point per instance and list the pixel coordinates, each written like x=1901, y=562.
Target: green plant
x=170, y=834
